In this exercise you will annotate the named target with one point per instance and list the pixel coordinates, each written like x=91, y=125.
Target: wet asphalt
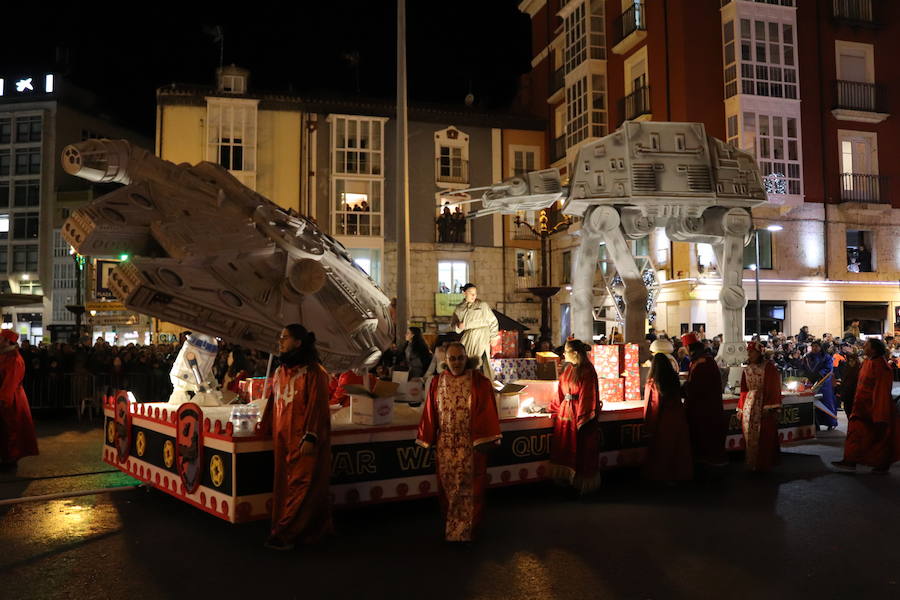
x=801, y=531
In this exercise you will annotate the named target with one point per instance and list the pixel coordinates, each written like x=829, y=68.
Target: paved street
x=800, y=532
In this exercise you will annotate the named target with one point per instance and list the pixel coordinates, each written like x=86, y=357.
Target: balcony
x=635, y=105
x=450, y=229
x=451, y=170
x=859, y=101
x=629, y=29
x=856, y=13
x=865, y=189
x=558, y=149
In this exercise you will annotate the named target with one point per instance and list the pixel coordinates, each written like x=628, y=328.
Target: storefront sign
x=104, y=306
x=104, y=268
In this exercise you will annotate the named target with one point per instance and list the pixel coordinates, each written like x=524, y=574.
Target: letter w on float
x=414, y=457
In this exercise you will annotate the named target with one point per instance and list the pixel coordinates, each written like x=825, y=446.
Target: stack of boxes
x=618, y=372
x=507, y=370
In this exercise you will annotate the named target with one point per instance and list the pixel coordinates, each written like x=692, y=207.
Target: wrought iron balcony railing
x=857, y=95
x=635, y=104
x=628, y=22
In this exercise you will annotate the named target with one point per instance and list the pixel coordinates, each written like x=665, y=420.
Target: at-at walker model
x=643, y=176
x=213, y=256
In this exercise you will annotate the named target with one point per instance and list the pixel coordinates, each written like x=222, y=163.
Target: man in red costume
x=460, y=420
x=300, y=422
x=758, y=409
x=703, y=404
x=873, y=434
x=17, y=437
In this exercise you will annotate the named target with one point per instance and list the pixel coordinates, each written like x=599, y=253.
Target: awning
x=508, y=323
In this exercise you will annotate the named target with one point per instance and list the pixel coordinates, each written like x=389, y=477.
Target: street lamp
x=755, y=267
x=78, y=308
x=545, y=290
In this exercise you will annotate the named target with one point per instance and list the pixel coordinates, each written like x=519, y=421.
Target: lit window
x=452, y=275
x=358, y=146
x=4, y=227
x=358, y=206
x=765, y=251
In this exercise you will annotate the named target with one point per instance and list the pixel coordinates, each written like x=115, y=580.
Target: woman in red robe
x=300, y=422
x=873, y=433
x=758, y=409
x=575, y=447
x=669, y=455
x=17, y=437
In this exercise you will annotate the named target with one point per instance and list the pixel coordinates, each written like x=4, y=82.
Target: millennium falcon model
x=213, y=256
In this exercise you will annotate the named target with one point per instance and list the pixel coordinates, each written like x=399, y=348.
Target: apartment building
x=807, y=86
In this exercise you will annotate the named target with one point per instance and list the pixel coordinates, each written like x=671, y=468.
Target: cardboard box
x=539, y=393
x=375, y=407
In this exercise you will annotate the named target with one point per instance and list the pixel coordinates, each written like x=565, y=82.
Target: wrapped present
x=508, y=370
x=612, y=390
x=632, y=389
x=507, y=345
x=630, y=364
x=606, y=361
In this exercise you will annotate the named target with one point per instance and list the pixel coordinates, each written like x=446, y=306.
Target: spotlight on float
x=774, y=228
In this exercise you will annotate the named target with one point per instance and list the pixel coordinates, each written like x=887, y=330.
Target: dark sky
x=306, y=47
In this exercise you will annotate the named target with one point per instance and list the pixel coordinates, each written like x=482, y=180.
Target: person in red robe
x=298, y=417
x=758, y=409
x=575, y=446
x=703, y=404
x=17, y=436
x=669, y=456
x=873, y=433
x=460, y=421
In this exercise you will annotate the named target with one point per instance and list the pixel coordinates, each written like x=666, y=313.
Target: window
x=452, y=275
x=4, y=194
x=859, y=251
x=775, y=141
x=231, y=134
x=766, y=58
x=765, y=251
x=358, y=206
x=64, y=275
x=597, y=30
x=523, y=160
x=234, y=84
x=25, y=226
x=5, y=130
x=598, y=105
x=451, y=166
x=576, y=39
x=576, y=112
x=30, y=286
x=25, y=258
x=28, y=161
x=525, y=263
x=4, y=227
x=369, y=260
x=28, y=193
x=4, y=163
x=28, y=129
x=358, y=146
x=4, y=259
x=567, y=267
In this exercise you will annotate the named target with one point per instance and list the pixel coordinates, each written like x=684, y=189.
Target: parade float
x=211, y=255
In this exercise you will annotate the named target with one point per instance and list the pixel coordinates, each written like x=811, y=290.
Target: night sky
x=309, y=47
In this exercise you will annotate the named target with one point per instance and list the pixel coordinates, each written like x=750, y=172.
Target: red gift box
x=612, y=390
x=507, y=346
x=606, y=362
x=632, y=389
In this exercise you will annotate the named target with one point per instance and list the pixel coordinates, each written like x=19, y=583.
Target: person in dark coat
x=703, y=404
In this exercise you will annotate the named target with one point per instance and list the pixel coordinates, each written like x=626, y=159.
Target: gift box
x=254, y=387
x=375, y=407
x=606, y=361
x=547, y=365
x=507, y=370
x=612, y=390
x=507, y=345
x=616, y=360
x=632, y=389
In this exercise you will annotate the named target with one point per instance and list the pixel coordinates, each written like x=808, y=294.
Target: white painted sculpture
x=643, y=176
x=213, y=256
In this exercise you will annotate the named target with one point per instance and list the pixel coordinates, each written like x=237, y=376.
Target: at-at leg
x=582, y=297
x=730, y=255
x=605, y=221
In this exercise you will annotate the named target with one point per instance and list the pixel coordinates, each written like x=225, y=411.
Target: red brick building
x=810, y=87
